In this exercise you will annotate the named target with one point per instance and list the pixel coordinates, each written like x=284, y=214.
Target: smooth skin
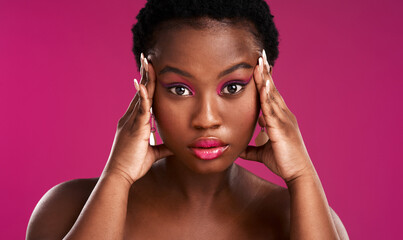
x=164, y=192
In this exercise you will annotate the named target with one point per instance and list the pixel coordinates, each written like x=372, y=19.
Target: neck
x=197, y=187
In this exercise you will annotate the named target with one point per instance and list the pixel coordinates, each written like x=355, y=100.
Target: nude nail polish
x=141, y=64
x=265, y=61
x=267, y=86
x=264, y=56
x=136, y=85
x=260, y=64
x=146, y=64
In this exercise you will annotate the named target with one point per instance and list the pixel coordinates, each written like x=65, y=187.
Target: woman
x=206, y=77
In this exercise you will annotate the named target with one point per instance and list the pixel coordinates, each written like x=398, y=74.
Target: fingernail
x=264, y=55
x=260, y=64
x=146, y=64
x=267, y=86
x=141, y=63
x=136, y=85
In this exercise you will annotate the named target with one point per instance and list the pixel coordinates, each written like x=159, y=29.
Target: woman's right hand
x=132, y=155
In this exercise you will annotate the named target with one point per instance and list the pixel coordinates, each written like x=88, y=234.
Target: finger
x=136, y=85
x=145, y=106
x=251, y=153
x=151, y=83
x=266, y=62
x=257, y=75
x=273, y=92
x=161, y=151
x=132, y=104
x=141, y=113
x=269, y=110
x=273, y=115
x=261, y=121
x=278, y=106
x=143, y=70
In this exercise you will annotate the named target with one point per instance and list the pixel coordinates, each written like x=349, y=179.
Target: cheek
x=246, y=109
x=170, y=122
x=243, y=116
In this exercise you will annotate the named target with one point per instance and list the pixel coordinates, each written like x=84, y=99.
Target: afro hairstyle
x=157, y=12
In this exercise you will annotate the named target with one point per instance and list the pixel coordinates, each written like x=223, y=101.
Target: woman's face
x=205, y=88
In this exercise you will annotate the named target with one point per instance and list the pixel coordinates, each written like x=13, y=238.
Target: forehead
x=221, y=42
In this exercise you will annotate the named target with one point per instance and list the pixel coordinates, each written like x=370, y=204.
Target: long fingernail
x=260, y=64
x=267, y=86
x=264, y=56
x=265, y=61
x=136, y=85
x=146, y=64
x=141, y=64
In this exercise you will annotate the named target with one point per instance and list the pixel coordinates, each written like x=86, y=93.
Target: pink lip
x=209, y=153
x=208, y=148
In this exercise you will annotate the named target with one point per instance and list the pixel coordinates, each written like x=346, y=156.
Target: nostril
x=207, y=127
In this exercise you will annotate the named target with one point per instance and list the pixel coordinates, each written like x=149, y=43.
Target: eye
x=233, y=88
x=180, y=90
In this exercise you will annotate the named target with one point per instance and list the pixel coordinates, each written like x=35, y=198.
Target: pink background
x=66, y=73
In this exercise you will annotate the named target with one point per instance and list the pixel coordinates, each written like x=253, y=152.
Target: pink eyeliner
x=182, y=82
x=241, y=81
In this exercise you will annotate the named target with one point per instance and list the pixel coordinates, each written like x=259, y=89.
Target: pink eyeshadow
x=242, y=81
x=184, y=82
x=181, y=82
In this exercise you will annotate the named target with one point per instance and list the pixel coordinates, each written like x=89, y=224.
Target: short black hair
x=157, y=12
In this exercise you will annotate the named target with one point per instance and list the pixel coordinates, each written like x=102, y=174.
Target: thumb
x=261, y=121
x=161, y=151
x=252, y=153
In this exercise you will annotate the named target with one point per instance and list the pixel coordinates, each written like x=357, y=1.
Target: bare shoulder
x=275, y=202
x=341, y=230
x=271, y=207
x=58, y=209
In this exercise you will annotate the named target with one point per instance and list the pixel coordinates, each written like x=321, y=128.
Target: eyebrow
x=223, y=73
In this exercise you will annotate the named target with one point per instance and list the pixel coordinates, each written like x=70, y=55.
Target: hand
x=132, y=155
x=284, y=153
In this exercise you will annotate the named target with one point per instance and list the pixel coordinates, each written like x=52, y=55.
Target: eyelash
x=234, y=83
x=172, y=88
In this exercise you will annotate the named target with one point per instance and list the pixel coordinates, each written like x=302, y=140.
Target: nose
x=206, y=114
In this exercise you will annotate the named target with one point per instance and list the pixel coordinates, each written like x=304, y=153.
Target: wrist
x=303, y=175
x=117, y=175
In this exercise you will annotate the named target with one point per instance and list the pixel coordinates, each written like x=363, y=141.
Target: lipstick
x=208, y=148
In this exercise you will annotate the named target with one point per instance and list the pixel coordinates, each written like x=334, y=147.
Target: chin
x=201, y=166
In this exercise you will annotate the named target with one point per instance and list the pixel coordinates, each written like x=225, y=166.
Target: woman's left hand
x=284, y=153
